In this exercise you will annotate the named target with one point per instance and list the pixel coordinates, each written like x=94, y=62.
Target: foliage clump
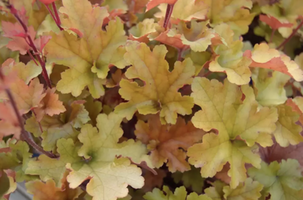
x=151, y=99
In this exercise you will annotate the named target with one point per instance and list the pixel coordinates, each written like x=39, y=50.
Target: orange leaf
x=27, y=97
x=152, y=180
x=48, y=190
x=9, y=123
x=17, y=34
x=41, y=42
x=264, y=57
x=171, y=41
x=136, y=6
x=9, y=77
x=165, y=141
x=50, y=105
x=18, y=37
x=153, y=3
x=273, y=22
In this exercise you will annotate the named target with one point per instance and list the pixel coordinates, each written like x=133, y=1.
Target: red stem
x=44, y=71
x=57, y=16
x=32, y=45
x=26, y=135
x=51, y=13
x=291, y=35
x=32, y=57
x=169, y=11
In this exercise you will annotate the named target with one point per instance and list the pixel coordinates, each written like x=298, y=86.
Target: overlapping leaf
x=49, y=105
x=285, y=11
x=265, y=57
x=273, y=22
x=197, y=37
x=158, y=89
x=64, y=126
x=229, y=57
x=249, y=190
x=224, y=110
x=141, y=31
x=235, y=13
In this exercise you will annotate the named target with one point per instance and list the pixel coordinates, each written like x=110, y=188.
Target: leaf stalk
x=31, y=44
x=169, y=11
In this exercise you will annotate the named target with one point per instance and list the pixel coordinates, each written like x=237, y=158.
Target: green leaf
x=282, y=181
x=269, y=87
x=190, y=179
x=52, y=168
x=16, y=158
x=4, y=182
x=287, y=131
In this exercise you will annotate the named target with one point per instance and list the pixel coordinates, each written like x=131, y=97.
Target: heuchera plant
x=152, y=99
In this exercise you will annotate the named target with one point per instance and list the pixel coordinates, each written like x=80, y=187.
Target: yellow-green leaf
x=282, y=181
x=158, y=91
x=98, y=160
x=89, y=56
x=269, y=87
x=198, y=36
x=229, y=57
x=249, y=190
x=287, y=131
x=224, y=110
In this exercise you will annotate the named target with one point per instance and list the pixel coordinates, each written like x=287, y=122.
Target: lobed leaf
x=89, y=56
x=239, y=127
x=159, y=92
x=165, y=141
